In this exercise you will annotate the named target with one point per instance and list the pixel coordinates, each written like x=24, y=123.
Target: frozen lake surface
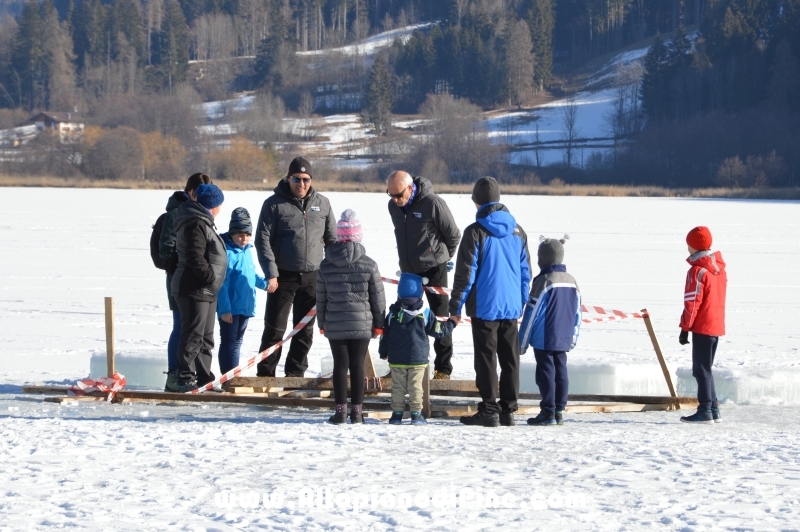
x=130, y=467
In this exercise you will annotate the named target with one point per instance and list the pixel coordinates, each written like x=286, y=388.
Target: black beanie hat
x=551, y=251
x=486, y=190
x=240, y=222
x=300, y=165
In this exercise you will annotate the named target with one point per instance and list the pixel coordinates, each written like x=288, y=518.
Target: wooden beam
x=659, y=354
x=82, y=399
x=301, y=383
x=110, y=336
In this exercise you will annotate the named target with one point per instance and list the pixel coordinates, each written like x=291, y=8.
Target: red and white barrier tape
x=252, y=361
x=605, y=314
x=110, y=385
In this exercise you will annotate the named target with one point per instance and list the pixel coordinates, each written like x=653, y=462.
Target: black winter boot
x=355, y=415
x=507, y=419
x=340, y=417
x=699, y=417
x=482, y=419
x=715, y=415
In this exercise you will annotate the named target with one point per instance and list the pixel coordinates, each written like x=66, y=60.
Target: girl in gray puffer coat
x=350, y=311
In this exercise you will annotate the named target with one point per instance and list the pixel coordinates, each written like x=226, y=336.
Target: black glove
x=451, y=320
x=684, y=337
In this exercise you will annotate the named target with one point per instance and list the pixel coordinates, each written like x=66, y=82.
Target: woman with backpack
x=162, y=250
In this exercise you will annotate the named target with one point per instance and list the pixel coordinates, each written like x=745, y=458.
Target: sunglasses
x=305, y=180
x=399, y=195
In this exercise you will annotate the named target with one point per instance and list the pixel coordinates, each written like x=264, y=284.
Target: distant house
x=67, y=125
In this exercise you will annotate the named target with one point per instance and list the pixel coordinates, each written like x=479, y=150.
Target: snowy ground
x=130, y=467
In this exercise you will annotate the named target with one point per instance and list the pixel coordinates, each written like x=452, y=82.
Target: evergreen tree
x=541, y=20
x=519, y=62
x=125, y=28
x=655, y=82
x=379, y=96
x=29, y=73
x=173, y=45
x=89, y=33
x=58, y=59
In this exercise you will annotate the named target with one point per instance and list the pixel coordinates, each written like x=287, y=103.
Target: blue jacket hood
x=238, y=293
x=496, y=219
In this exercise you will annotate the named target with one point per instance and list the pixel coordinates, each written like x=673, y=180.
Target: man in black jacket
x=427, y=238
x=294, y=227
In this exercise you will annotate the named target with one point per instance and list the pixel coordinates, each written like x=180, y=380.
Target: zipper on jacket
x=305, y=225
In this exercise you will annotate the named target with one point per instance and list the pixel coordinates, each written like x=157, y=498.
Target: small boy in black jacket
x=405, y=343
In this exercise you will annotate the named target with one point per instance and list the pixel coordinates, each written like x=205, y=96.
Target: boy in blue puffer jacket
x=236, y=302
x=551, y=324
x=405, y=344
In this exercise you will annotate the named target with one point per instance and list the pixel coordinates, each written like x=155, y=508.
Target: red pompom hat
x=699, y=238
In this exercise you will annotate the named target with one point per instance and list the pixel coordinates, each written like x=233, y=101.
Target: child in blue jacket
x=236, y=301
x=551, y=323
x=405, y=344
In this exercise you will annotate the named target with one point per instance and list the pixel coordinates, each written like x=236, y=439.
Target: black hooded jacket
x=202, y=257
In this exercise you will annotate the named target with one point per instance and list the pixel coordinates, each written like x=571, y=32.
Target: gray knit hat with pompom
x=551, y=251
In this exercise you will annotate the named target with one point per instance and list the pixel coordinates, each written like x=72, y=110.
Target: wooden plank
x=110, y=336
x=82, y=399
x=45, y=390
x=300, y=383
x=659, y=354
x=426, y=392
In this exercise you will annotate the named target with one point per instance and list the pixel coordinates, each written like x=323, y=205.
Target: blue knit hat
x=240, y=222
x=209, y=196
x=410, y=285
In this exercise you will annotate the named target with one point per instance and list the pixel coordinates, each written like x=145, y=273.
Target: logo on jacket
x=417, y=214
x=315, y=208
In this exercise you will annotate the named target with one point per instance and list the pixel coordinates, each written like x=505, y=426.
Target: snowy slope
x=371, y=44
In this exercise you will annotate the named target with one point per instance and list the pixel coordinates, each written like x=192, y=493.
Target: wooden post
x=426, y=393
x=659, y=354
x=110, y=335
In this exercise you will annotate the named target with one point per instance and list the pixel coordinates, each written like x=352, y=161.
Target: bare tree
x=519, y=62
x=569, y=121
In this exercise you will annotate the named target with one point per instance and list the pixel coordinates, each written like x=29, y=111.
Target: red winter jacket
x=704, y=296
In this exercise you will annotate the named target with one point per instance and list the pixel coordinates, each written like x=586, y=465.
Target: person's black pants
x=439, y=304
x=495, y=341
x=197, y=340
x=349, y=354
x=704, y=349
x=298, y=292
x=552, y=380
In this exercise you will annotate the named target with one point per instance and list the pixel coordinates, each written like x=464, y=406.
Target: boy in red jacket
x=703, y=316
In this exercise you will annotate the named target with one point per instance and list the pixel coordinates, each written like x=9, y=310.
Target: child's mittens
x=683, y=338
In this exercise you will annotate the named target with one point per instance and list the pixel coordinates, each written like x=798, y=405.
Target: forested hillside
x=142, y=67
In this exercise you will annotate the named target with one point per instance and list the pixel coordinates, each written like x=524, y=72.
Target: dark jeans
x=704, y=349
x=552, y=380
x=496, y=341
x=230, y=342
x=174, y=340
x=298, y=292
x=348, y=354
x=197, y=340
x=443, y=347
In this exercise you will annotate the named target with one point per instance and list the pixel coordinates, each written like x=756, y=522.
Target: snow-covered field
x=147, y=466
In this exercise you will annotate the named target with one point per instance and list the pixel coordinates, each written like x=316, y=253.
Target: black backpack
x=169, y=265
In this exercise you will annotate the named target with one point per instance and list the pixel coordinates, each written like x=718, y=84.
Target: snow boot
x=700, y=417
x=187, y=386
x=559, y=417
x=172, y=382
x=355, y=415
x=507, y=419
x=440, y=376
x=542, y=420
x=340, y=417
x=482, y=419
x=396, y=419
x=418, y=419
x=715, y=415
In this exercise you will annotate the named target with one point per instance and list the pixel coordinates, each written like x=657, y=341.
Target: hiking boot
x=418, y=419
x=187, y=386
x=559, y=417
x=700, y=417
x=482, y=419
x=507, y=419
x=172, y=382
x=542, y=420
x=715, y=415
x=441, y=376
x=339, y=418
x=396, y=419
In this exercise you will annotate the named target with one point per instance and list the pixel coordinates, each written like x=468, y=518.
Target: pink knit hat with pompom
x=348, y=228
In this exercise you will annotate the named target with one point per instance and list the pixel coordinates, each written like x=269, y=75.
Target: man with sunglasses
x=427, y=238
x=295, y=226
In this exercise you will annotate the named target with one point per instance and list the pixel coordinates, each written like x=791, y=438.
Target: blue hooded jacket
x=493, y=269
x=238, y=293
x=552, y=319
